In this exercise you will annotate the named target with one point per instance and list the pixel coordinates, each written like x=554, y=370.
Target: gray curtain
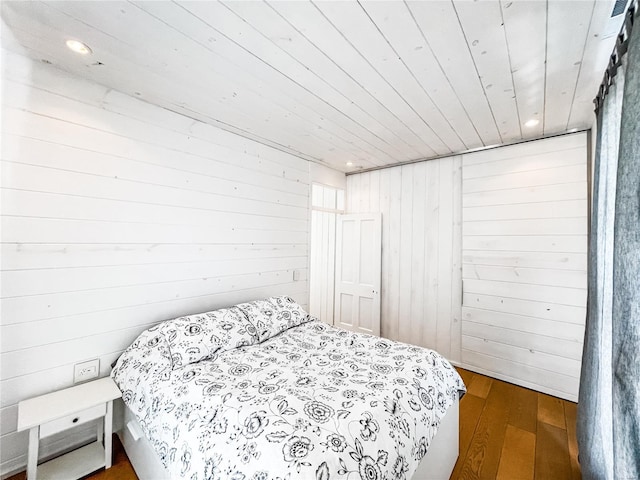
x=626, y=279
x=609, y=399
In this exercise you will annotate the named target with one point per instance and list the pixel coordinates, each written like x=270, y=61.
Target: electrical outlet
x=86, y=371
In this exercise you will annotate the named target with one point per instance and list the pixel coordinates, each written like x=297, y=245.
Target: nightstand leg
x=101, y=431
x=32, y=460
x=108, y=427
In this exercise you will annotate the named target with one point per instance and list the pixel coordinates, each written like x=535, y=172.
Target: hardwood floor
x=506, y=432
x=513, y=433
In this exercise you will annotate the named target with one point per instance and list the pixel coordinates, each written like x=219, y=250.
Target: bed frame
x=437, y=464
x=442, y=454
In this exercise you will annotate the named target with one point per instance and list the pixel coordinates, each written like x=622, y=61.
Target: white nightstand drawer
x=78, y=418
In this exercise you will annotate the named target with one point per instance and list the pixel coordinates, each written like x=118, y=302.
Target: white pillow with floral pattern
x=199, y=337
x=274, y=315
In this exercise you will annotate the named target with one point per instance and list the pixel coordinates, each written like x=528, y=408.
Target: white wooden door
x=358, y=265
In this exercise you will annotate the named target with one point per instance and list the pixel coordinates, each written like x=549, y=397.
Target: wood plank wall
x=421, y=249
x=525, y=263
x=512, y=222
x=321, y=268
x=117, y=214
x=326, y=203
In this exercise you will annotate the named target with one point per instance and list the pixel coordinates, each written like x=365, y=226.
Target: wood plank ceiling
x=349, y=84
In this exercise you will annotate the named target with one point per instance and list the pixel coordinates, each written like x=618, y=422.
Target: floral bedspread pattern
x=310, y=402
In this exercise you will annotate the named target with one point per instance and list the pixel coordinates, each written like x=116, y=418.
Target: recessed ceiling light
x=78, y=47
x=349, y=164
x=573, y=130
x=532, y=123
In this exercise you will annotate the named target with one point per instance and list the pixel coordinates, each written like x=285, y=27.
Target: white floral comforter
x=307, y=402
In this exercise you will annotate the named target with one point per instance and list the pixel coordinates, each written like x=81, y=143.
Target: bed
x=263, y=391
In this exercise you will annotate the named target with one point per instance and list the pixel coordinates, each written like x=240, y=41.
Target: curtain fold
x=626, y=279
x=609, y=399
x=595, y=417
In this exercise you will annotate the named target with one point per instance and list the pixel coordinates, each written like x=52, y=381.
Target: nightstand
x=58, y=411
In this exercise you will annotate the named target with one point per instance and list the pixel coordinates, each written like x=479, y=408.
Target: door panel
x=358, y=261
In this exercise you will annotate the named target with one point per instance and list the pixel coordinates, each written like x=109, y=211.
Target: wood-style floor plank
x=470, y=409
x=518, y=458
x=483, y=456
x=530, y=446
x=480, y=386
x=552, y=453
x=467, y=376
x=551, y=410
x=524, y=409
x=570, y=415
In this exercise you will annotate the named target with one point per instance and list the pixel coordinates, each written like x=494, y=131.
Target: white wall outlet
x=86, y=371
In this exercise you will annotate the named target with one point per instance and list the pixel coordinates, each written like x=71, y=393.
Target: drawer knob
x=75, y=420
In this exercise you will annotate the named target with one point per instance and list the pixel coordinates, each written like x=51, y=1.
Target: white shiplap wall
x=421, y=249
x=525, y=262
x=331, y=184
x=521, y=249
x=117, y=214
x=326, y=203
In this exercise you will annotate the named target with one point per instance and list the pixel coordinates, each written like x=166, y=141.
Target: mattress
x=298, y=400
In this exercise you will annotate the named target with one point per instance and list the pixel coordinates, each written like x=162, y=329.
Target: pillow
x=148, y=354
x=199, y=337
x=274, y=315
